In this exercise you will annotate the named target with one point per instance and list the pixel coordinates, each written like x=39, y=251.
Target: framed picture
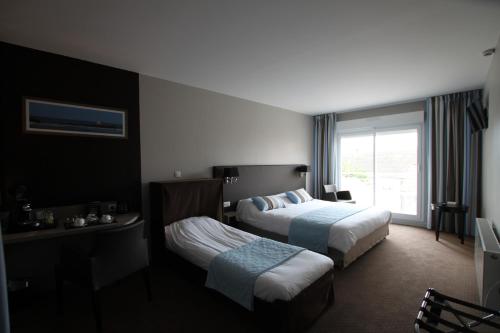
x=51, y=117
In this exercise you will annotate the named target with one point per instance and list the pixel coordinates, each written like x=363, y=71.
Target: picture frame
x=50, y=117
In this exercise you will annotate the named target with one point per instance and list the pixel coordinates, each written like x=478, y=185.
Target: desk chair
x=117, y=253
x=330, y=193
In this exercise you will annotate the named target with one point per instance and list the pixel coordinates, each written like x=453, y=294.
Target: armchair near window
x=330, y=193
x=117, y=253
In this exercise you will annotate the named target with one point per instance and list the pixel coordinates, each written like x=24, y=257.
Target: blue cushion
x=268, y=202
x=260, y=203
x=298, y=196
x=293, y=197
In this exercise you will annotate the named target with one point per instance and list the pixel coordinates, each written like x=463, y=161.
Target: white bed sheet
x=200, y=239
x=343, y=235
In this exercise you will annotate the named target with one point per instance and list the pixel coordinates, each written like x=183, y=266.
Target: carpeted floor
x=380, y=292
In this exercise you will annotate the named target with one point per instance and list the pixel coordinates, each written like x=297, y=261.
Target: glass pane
x=396, y=171
x=356, y=157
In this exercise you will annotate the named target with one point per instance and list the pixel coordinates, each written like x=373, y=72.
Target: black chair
x=116, y=254
x=330, y=193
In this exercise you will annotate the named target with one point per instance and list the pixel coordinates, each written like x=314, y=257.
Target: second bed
x=348, y=239
x=286, y=288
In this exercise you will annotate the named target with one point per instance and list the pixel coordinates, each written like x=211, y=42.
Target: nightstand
x=230, y=218
x=452, y=208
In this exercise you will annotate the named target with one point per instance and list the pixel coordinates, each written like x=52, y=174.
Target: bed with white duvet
x=288, y=295
x=200, y=239
x=348, y=238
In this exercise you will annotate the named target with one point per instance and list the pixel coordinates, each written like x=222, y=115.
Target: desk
x=61, y=231
x=452, y=209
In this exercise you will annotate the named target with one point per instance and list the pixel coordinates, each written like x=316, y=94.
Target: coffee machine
x=22, y=216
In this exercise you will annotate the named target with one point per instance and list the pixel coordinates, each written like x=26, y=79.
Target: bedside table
x=230, y=219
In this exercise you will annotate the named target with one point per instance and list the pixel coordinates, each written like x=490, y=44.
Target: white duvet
x=200, y=239
x=343, y=235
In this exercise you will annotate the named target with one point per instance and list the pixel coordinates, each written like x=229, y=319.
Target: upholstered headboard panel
x=260, y=180
x=175, y=200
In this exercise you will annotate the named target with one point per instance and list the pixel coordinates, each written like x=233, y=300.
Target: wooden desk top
x=61, y=231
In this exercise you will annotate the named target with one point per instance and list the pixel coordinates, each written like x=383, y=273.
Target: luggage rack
x=435, y=304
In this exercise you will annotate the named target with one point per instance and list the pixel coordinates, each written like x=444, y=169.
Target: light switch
x=177, y=174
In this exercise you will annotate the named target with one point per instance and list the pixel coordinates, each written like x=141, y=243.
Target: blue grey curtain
x=454, y=157
x=324, y=152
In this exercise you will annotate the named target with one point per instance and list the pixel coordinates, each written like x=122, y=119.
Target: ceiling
x=307, y=56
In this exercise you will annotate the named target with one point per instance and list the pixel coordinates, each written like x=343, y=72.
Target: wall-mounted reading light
x=489, y=52
x=302, y=169
x=231, y=175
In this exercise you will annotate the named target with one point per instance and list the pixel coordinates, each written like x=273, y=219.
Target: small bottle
x=49, y=217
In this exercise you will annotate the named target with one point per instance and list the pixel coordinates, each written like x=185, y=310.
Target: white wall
x=491, y=152
x=190, y=129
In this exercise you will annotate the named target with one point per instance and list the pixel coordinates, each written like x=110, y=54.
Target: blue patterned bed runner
x=233, y=273
x=312, y=229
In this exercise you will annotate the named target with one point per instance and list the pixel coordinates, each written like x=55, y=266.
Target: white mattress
x=200, y=239
x=343, y=235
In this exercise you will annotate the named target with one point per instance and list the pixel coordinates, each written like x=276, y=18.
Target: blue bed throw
x=312, y=229
x=233, y=273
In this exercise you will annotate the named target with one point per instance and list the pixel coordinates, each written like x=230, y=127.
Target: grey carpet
x=380, y=292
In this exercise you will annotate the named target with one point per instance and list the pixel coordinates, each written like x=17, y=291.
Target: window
x=356, y=156
x=381, y=167
x=396, y=171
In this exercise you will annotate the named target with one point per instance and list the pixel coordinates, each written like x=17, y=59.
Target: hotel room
x=249, y=166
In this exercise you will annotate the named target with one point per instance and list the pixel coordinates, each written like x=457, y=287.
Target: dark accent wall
x=62, y=170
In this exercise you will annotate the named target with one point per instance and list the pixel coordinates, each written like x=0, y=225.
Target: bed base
x=341, y=260
x=295, y=315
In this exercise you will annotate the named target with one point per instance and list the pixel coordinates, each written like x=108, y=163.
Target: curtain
x=323, y=153
x=454, y=157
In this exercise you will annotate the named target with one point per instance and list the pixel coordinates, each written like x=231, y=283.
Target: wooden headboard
x=176, y=200
x=260, y=180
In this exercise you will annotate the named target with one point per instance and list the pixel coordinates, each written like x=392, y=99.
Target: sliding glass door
x=357, y=168
x=382, y=168
x=396, y=171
